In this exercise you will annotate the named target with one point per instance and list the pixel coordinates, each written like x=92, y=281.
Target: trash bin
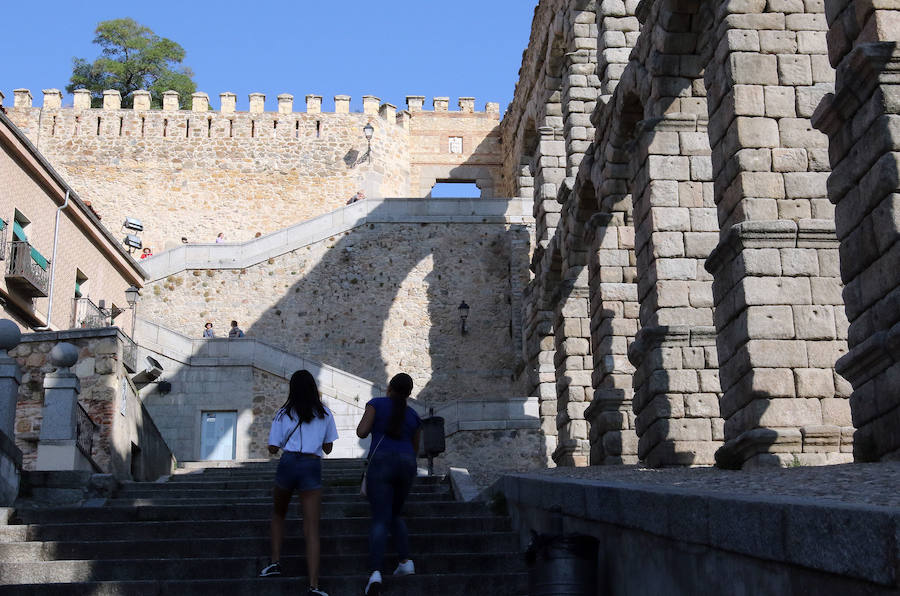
x=562, y=565
x=433, y=442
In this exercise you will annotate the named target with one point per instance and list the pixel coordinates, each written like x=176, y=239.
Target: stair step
x=189, y=547
x=198, y=482
x=237, y=567
x=250, y=528
x=262, y=499
x=463, y=584
x=216, y=512
x=133, y=489
x=205, y=531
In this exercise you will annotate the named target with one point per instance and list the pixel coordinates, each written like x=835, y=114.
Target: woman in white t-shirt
x=304, y=429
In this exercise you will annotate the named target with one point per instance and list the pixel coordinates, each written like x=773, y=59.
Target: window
x=456, y=145
x=19, y=224
x=80, y=281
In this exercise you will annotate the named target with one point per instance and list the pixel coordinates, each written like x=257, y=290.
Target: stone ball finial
x=63, y=355
x=10, y=335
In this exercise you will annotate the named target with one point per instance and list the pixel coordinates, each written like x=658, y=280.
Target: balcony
x=24, y=274
x=87, y=315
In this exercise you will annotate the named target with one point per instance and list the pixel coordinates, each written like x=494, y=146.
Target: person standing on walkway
x=395, y=428
x=305, y=430
x=208, y=332
x=235, y=332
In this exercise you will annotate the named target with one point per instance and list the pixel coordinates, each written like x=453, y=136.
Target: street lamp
x=132, y=295
x=463, y=309
x=369, y=132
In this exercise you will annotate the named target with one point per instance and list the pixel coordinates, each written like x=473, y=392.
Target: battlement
x=372, y=105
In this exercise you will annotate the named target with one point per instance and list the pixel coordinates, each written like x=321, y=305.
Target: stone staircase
x=206, y=531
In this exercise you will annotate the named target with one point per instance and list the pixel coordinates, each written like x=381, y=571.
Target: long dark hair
x=399, y=389
x=304, y=401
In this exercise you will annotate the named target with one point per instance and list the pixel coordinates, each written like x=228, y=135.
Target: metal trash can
x=433, y=441
x=562, y=565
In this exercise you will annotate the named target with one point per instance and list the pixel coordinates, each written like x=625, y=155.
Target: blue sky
x=355, y=47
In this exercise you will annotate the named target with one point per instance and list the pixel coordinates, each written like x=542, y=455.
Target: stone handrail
x=249, y=351
x=240, y=255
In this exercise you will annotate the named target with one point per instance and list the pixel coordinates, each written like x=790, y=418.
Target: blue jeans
x=388, y=481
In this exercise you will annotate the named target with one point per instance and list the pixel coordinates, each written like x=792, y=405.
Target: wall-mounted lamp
x=463, y=309
x=369, y=132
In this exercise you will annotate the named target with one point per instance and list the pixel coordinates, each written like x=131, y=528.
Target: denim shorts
x=298, y=471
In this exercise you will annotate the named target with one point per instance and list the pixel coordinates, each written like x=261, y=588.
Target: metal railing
x=87, y=315
x=24, y=271
x=84, y=431
x=129, y=353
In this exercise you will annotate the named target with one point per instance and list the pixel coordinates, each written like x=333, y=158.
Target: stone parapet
x=729, y=537
x=246, y=254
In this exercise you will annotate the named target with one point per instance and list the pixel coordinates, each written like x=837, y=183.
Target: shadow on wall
x=379, y=299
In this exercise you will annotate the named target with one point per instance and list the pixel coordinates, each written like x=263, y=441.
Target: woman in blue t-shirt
x=392, y=467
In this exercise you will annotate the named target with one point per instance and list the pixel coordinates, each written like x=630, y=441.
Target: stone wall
x=862, y=120
x=105, y=386
x=373, y=301
x=461, y=145
x=195, y=173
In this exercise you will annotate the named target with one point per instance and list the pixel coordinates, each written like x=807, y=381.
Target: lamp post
x=132, y=295
x=463, y=309
x=369, y=132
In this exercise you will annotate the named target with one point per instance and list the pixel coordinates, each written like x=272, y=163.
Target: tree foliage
x=133, y=57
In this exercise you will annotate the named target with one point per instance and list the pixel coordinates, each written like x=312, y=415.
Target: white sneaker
x=373, y=588
x=405, y=568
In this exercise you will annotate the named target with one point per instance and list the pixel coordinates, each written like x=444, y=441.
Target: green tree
x=133, y=58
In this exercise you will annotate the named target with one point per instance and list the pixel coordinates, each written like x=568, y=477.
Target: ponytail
x=399, y=389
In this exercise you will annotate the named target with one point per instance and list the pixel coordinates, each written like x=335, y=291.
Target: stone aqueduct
x=691, y=243
x=716, y=190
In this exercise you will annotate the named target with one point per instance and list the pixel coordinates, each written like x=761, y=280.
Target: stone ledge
x=780, y=233
x=868, y=359
x=859, y=541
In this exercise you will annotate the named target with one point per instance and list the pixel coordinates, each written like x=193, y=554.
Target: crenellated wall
x=195, y=173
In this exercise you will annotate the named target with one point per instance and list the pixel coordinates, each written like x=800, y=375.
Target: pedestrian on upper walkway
x=220, y=238
x=395, y=428
x=235, y=331
x=359, y=196
x=305, y=430
x=208, y=332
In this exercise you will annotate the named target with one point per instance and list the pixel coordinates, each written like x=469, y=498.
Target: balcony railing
x=24, y=273
x=87, y=315
x=84, y=431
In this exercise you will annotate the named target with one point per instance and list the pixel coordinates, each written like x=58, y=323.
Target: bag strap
x=290, y=434
x=377, y=445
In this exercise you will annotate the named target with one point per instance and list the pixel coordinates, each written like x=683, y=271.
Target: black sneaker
x=271, y=569
x=316, y=592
